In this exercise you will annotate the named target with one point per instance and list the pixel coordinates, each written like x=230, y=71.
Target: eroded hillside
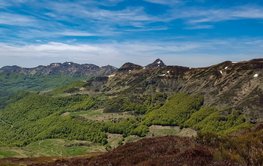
x=226, y=85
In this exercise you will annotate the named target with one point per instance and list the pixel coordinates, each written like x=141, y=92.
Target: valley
x=95, y=115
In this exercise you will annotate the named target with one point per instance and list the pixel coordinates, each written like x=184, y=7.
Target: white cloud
x=16, y=19
x=77, y=33
x=195, y=53
x=84, y=13
x=199, y=26
x=197, y=16
x=164, y=2
x=126, y=16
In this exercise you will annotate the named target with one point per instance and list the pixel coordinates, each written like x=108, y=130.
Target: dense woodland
x=35, y=116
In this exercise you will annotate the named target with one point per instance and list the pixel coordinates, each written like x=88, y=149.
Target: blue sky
x=181, y=32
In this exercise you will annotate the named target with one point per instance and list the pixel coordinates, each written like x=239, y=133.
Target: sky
x=191, y=33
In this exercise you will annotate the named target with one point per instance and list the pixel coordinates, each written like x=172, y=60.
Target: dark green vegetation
x=44, y=116
x=37, y=117
x=13, y=86
x=139, y=104
x=45, y=78
x=104, y=112
x=188, y=111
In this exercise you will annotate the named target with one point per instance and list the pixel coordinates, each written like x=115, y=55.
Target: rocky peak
x=157, y=63
x=129, y=67
x=108, y=69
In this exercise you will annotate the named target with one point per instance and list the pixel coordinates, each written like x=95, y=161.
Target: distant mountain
x=42, y=78
x=129, y=67
x=67, y=68
x=157, y=63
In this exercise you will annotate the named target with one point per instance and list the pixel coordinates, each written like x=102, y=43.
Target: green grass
x=5, y=152
x=59, y=147
x=90, y=113
x=52, y=148
x=115, y=140
x=156, y=130
x=132, y=138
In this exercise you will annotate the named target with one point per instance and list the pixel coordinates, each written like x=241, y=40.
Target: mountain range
x=225, y=85
x=68, y=109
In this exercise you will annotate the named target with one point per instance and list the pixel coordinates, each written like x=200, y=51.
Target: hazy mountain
x=67, y=68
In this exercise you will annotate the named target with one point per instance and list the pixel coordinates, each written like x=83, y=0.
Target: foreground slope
x=243, y=148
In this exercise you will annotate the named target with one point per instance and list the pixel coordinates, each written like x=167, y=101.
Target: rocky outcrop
x=128, y=67
x=157, y=63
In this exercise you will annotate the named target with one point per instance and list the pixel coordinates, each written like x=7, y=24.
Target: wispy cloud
x=77, y=33
x=96, y=18
x=116, y=31
x=197, y=16
x=16, y=19
x=164, y=2
x=189, y=53
x=129, y=15
x=199, y=26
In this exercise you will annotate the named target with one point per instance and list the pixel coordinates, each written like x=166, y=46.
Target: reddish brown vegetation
x=242, y=148
x=168, y=150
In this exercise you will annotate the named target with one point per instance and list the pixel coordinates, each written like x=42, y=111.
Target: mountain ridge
x=61, y=68
x=235, y=84
x=228, y=84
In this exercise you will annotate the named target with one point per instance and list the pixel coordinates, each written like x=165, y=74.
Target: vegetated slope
x=37, y=117
x=188, y=111
x=154, y=95
x=244, y=148
x=156, y=151
x=226, y=85
x=56, y=115
x=14, y=78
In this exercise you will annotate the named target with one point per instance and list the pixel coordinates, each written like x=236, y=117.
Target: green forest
x=36, y=116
